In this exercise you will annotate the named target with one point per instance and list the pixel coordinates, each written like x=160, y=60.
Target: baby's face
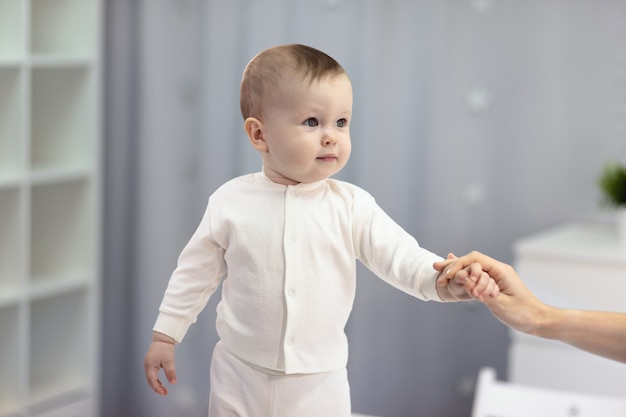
x=307, y=131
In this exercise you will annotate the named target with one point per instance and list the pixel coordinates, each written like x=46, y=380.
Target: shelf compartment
x=59, y=346
x=62, y=126
x=11, y=37
x=61, y=232
x=9, y=360
x=10, y=241
x=10, y=121
x=63, y=27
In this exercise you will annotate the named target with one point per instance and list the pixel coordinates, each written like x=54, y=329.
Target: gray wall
x=475, y=123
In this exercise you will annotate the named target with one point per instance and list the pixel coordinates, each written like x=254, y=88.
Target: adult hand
x=599, y=332
x=515, y=306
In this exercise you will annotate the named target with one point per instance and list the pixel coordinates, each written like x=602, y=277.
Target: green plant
x=613, y=184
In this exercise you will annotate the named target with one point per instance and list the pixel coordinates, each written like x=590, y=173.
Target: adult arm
x=598, y=332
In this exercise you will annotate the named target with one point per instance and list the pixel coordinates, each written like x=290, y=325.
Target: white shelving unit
x=50, y=128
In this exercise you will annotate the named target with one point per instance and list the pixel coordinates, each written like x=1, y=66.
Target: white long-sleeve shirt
x=287, y=255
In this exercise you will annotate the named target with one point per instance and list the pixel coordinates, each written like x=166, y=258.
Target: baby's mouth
x=327, y=158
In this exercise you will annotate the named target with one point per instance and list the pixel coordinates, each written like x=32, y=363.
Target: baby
x=284, y=242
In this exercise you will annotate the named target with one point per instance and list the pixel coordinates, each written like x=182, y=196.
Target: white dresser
x=579, y=266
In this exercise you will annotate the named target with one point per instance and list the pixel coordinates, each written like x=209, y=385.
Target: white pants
x=239, y=390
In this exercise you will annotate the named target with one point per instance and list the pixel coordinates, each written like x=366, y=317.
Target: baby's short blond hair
x=265, y=73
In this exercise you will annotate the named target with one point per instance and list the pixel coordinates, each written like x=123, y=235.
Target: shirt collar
x=308, y=186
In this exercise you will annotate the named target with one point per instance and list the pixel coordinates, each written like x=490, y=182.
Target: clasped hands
x=465, y=279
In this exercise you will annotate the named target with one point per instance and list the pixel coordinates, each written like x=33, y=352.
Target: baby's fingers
x=170, y=371
x=152, y=377
x=483, y=286
x=152, y=366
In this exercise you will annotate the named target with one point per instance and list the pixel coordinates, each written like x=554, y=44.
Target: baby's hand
x=472, y=283
x=160, y=355
x=478, y=283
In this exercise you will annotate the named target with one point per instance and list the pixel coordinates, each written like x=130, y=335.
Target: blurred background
x=476, y=122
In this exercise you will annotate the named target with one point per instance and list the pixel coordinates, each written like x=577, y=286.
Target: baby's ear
x=254, y=130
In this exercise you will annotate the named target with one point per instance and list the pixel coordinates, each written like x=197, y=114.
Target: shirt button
x=291, y=293
x=289, y=342
x=290, y=242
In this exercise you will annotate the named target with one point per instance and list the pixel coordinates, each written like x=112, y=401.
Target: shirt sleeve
x=199, y=271
x=390, y=252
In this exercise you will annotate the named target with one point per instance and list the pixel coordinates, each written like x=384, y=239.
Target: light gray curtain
x=475, y=123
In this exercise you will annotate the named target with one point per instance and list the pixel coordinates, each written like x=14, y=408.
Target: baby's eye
x=311, y=122
x=342, y=123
